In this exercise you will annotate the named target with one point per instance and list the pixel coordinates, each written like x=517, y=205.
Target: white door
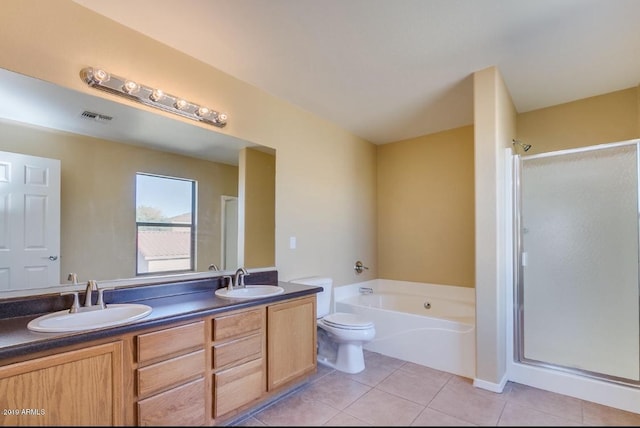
x=29, y=222
x=579, y=288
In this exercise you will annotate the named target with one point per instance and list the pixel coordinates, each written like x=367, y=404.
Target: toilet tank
x=323, y=303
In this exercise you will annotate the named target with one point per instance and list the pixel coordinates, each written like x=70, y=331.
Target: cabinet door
x=83, y=387
x=291, y=341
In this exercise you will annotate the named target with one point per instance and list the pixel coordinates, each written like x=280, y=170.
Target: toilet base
x=344, y=357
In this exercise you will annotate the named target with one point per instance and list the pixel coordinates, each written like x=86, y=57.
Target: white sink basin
x=250, y=292
x=112, y=315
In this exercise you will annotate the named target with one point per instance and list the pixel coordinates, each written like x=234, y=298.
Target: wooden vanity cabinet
x=202, y=372
x=291, y=333
x=170, y=376
x=82, y=387
x=238, y=360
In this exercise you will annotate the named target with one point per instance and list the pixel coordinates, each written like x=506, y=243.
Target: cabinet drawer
x=239, y=324
x=170, y=341
x=237, y=351
x=162, y=375
x=238, y=386
x=181, y=406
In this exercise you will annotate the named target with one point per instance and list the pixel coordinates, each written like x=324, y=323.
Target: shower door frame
x=518, y=272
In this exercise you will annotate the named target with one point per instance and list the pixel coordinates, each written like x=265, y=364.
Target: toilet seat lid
x=347, y=320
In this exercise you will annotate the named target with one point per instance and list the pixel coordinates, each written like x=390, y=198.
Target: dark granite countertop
x=170, y=303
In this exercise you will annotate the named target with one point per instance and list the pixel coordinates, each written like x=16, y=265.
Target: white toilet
x=340, y=335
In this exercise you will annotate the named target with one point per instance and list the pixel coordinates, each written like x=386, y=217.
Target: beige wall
x=98, y=197
x=325, y=177
x=416, y=173
x=602, y=119
x=258, y=187
x=425, y=209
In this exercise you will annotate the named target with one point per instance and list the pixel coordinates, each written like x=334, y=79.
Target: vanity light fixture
x=153, y=97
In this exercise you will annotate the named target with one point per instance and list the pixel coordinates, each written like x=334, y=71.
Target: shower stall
x=576, y=252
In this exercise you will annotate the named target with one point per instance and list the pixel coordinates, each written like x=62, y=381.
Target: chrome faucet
x=239, y=277
x=88, y=306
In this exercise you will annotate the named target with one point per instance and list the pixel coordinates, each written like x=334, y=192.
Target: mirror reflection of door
x=29, y=221
x=229, y=232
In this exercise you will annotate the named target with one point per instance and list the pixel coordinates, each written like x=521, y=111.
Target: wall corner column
x=494, y=128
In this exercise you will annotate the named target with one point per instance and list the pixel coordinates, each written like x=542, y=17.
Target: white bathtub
x=427, y=324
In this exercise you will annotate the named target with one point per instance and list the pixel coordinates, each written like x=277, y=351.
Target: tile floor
x=394, y=392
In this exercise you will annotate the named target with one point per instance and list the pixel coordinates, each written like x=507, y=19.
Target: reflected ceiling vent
x=95, y=116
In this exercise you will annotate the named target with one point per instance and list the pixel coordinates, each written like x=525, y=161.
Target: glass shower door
x=578, y=287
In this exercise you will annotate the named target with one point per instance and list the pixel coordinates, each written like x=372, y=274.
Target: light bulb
x=203, y=112
x=222, y=118
x=180, y=104
x=130, y=87
x=156, y=95
x=100, y=75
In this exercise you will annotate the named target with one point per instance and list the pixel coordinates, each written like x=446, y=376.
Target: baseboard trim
x=491, y=386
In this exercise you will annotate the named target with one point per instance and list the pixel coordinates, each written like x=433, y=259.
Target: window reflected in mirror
x=165, y=224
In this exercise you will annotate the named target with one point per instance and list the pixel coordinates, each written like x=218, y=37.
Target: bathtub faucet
x=365, y=290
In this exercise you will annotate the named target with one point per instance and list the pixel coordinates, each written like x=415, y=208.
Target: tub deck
x=441, y=336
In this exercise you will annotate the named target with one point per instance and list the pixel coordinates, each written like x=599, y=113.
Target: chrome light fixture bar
x=153, y=97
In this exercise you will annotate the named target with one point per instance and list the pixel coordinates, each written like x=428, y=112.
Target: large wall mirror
x=101, y=146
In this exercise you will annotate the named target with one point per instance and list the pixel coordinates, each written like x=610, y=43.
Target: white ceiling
x=391, y=70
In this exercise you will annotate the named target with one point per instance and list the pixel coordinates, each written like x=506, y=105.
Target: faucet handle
x=101, y=303
x=75, y=307
x=229, y=279
x=244, y=273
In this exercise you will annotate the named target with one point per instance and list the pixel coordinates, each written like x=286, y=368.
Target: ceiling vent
x=95, y=116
